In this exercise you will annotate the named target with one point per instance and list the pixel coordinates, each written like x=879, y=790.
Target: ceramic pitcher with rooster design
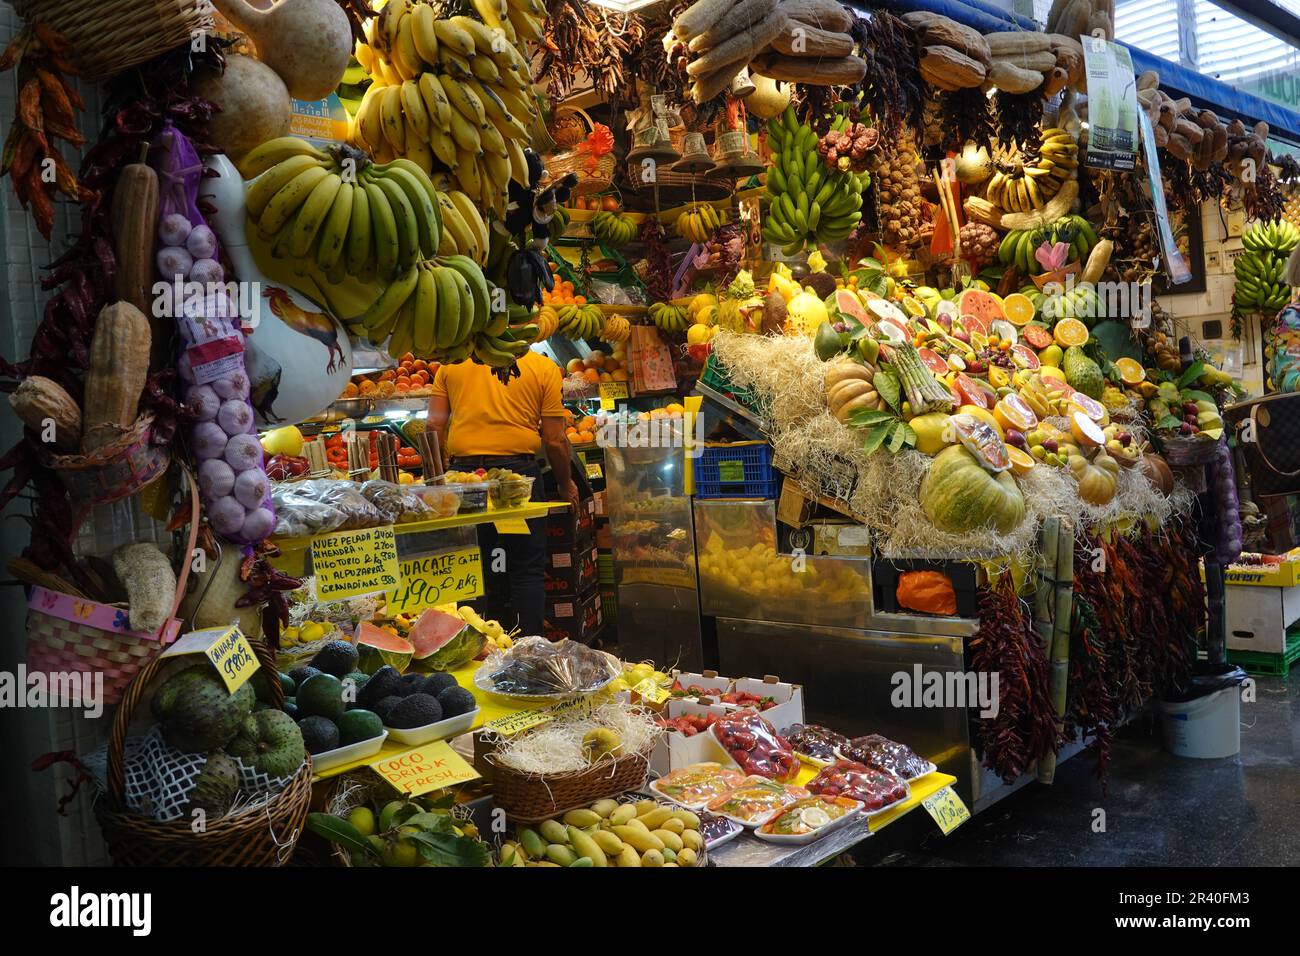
x=298, y=356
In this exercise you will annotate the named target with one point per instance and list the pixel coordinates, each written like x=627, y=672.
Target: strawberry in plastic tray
x=876, y=788
x=756, y=746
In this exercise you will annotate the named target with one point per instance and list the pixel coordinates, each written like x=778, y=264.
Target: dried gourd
x=1012, y=79
x=119, y=366
x=739, y=49
x=1016, y=43
x=827, y=14
x=39, y=401
x=936, y=30
x=135, y=217
x=150, y=584
x=795, y=69
x=744, y=13
x=944, y=67
x=806, y=41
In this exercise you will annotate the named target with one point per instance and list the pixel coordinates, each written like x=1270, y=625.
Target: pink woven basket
x=67, y=634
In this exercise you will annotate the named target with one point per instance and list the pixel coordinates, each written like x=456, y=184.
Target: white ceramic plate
x=343, y=755
x=439, y=730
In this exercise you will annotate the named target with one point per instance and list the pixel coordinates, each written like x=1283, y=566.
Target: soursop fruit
x=1082, y=373
x=197, y=713
x=215, y=787
x=270, y=742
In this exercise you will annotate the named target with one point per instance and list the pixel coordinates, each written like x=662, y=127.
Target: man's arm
x=557, y=450
x=439, y=415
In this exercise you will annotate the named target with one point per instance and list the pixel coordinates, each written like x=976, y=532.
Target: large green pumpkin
x=959, y=495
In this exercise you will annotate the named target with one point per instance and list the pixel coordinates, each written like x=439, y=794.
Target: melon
x=377, y=647
x=443, y=641
x=804, y=313
x=849, y=304
x=983, y=305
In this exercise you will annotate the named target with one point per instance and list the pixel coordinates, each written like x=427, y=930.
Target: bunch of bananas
x=433, y=310
x=352, y=217
x=668, y=317
x=1078, y=302
x=1018, y=246
x=807, y=202
x=548, y=322
x=700, y=223
x=1025, y=180
x=503, y=342
x=613, y=229
x=581, y=321
x=464, y=231
x=453, y=94
x=1260, y=269
x=617, y=329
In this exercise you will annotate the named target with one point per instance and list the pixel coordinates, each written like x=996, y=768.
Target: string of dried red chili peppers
x=1006, y=644
x=47, y=111
x=1089, y=707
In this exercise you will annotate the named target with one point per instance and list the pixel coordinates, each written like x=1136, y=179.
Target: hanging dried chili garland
x=892, y=86
x=1006, y=644
x=966, y=115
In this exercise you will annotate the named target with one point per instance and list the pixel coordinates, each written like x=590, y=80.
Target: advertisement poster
x=1112, y=105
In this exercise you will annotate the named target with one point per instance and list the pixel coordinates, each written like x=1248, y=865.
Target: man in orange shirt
x=483, y=423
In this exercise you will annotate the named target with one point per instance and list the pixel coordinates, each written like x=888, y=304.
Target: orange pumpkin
x=929, y=592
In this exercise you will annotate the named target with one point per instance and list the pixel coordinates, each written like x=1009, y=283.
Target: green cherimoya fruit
x=215, y=787
x=196, y=711
x=1082, y=373
x=269, y=742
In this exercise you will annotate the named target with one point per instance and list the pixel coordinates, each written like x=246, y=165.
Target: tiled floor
x=1160, y=810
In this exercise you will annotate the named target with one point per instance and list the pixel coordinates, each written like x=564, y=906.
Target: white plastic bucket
x=1206, y=727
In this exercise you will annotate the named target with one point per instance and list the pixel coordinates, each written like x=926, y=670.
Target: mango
x=669, y=839
x=673, y=825
x=554, y=832
x=641, y=839
x=608, y=841
x=628, y=857
x=604, y=807
x=623, y=814
x=655, y=818
x=533, y=844
x=560, y=855
x=692, y=840
x=582, y=818
x=585, y=846
x=686, y=857
x=652, y=858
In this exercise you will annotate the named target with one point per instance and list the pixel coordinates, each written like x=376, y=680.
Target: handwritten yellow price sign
x=434, y=579
x=349, y=563
x=651, y=691
x=426, y=768
x=947, y=809
x=507, y=725
x=611, y=392
x=594, y=470
x=233, y=657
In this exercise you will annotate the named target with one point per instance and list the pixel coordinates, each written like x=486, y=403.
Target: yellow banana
x=464, y=100
x=261, y=190
x=465, y=134
x=286, y=202
x=435, y=99
x=423, y=33
x=417, y=117
x=359, y=248
x=312, y=214
x=390, y=114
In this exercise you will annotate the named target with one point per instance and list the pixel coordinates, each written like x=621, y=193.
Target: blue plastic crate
x=745, y=489
x=741, y=463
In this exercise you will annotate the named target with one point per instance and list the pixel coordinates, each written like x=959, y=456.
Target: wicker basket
x=67, y=632
x=117, y=470
x=111, y=36
x=263, y=834
x=594, y=176
x=527, y=798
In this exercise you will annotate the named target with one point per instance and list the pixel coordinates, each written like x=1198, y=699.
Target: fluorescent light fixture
x=622, y=6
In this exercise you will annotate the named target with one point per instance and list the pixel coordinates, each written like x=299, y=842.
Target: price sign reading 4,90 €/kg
x=437, y=579
x=350, y=563
x=947, y=809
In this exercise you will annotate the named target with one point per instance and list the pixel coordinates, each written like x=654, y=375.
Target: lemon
x=311, y=631
x=1051, y=355
x=697, y=335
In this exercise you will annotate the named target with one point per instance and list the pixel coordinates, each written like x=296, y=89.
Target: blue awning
x=1178, y=81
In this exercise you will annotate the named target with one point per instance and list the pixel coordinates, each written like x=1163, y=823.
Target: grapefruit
x=1024, y=357
x=974, y=324
x=1094, y=409
x=968, y=393
x=933, y=361
x=1012, y=411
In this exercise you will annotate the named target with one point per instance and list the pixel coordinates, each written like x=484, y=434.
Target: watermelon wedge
x=377, y=647
x=984, y=305
x=849, y=304
x=443, y=641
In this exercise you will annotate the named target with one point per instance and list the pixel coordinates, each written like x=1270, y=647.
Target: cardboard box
x=788, y=697
x=571, y=573
x=1258, y=617
x=675, y=750
x=577, y=618
x=564, y=529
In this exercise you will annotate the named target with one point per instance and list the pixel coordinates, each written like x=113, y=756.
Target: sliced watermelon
x=1025, y=357
x=443, y=641
x=377, y=647
x=983, y=305
x=849, y=304
x=933, y=361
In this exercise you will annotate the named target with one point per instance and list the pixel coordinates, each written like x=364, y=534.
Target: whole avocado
x=196, y=711
x=270, y=742
x=321, y=696
x=319, y=734
x=415, y=711
x=358, y=725
x=337, y=657
x=456, y=701
x=385, y=682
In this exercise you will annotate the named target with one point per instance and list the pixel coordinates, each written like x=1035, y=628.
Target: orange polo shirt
x=489, y=418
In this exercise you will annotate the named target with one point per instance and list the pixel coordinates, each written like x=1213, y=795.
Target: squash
x=38, y=399
x=769, y=98
x=930, y=592
x=1098, y=479
x=801, y=40
x=1159, y=473
x=119, y=365
x=959, y=496
x=849, y=387
x=135, y=217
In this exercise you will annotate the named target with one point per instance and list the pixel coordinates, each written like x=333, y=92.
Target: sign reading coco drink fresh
x=423, y=769
x=437, y=579
x=350, y=563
